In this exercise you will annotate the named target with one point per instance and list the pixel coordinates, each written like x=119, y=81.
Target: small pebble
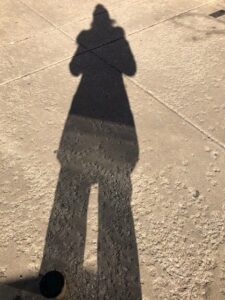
x=196, y=194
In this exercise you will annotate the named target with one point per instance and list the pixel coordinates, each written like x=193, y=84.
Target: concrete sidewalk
x=177, y=99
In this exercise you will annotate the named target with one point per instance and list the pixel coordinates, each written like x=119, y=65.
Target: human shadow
x=98, y=146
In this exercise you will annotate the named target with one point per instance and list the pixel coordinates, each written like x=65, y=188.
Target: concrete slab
x=73, y=11
x=178, y=185
x=140, y=122
x=37, y=52
x=172, y=162
x=30, y=96
x=137, y=16
x=171, y=60
x=18, y=22
x=60, y=14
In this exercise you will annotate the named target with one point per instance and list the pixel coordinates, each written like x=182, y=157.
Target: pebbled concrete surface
x=167, y=239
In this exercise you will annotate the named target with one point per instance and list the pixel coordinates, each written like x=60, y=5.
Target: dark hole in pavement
x=52, y=284
x=218, y=13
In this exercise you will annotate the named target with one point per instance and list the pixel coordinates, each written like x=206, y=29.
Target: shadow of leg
x=65, y=239
x=118, y=267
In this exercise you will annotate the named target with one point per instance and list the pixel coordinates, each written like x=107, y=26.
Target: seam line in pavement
x=180, y=115
x=44, y=31
x=80, y=20
x=166, y=105
x=169, y=18
x=132, y=33
x=59, y=28
x=35, y=71
x=86, y=49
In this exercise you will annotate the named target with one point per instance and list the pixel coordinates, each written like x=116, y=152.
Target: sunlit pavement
x=174, y=85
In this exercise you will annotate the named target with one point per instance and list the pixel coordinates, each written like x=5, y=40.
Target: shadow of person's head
x=105, y=17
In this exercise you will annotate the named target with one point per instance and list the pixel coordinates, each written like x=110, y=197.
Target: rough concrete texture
x=112, y=148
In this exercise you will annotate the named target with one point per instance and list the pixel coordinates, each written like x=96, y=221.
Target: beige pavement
x=177, y=98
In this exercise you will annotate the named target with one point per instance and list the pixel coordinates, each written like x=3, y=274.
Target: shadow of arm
x=74, y=66
x=130, y=65
x=127, y=64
